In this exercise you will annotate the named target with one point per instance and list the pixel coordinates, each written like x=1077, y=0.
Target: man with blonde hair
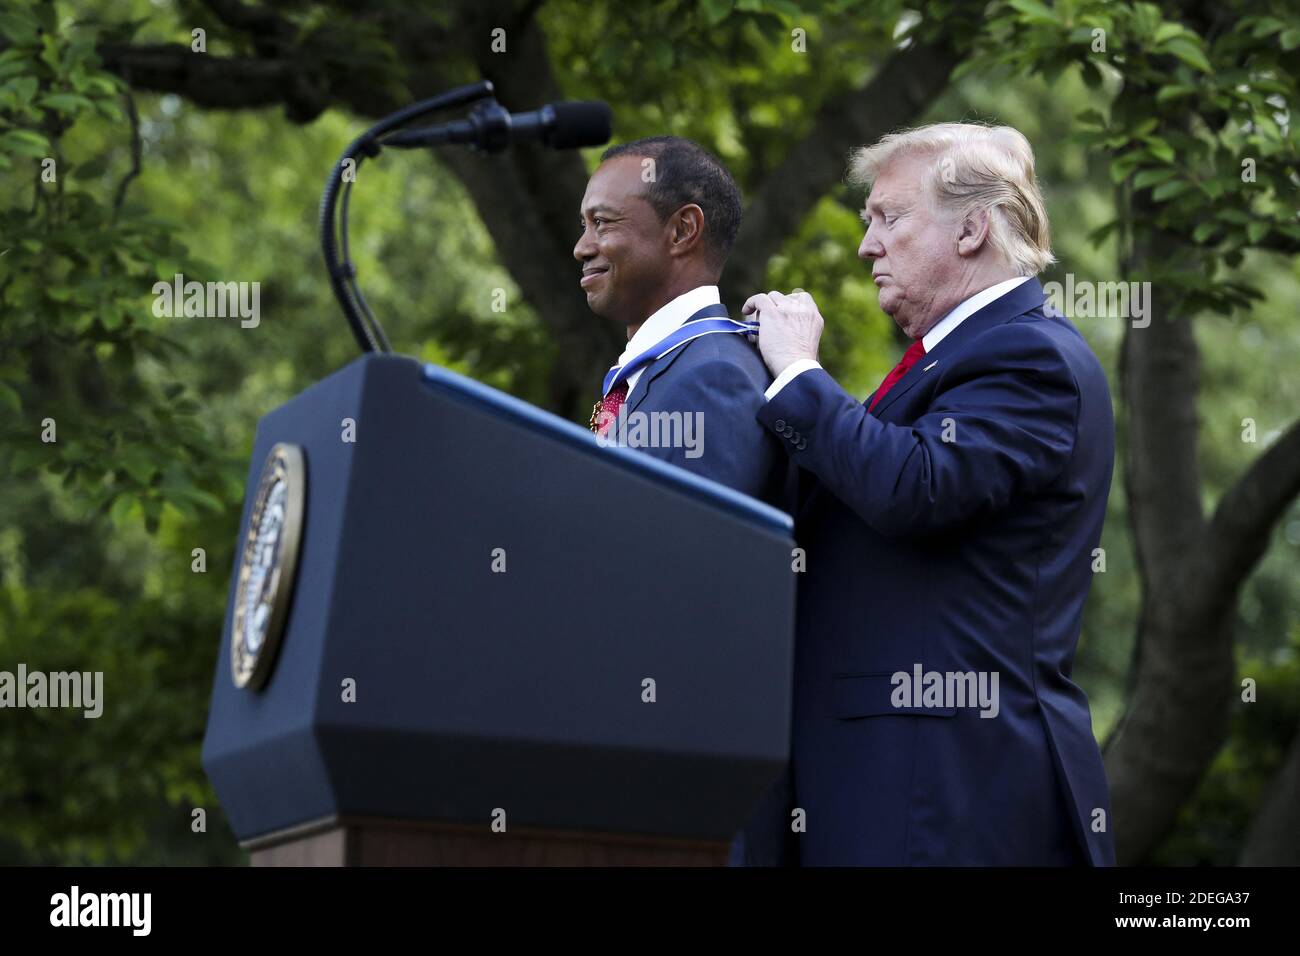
x=949, y=524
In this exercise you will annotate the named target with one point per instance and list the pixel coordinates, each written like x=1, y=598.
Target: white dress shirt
x=938, y=332
x=662, y=323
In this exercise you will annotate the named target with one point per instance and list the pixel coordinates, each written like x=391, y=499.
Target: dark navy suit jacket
x=722, y=377
x=952, y=527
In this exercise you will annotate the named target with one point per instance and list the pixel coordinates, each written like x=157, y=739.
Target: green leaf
x=18, y=28
x=787, y=7
x=10, y=398
x=1123, y=167
x=1266, y=25
x=1150, y=177
x=1101, y=232
x=203, y=498
x=1034, y=11
x=1174, y=91
x=659, y=51
x=23, y=88
x=137, y=464
x=1189, y=52
x=91, y=169
x=110, y=110
x=1167, y=31
x=28, y=456
x=25, y=142
x=715, y=11
x=50, y=53
x=120, y=513
x=1214, y=188
x=65, y=102
x=104, y=85
x=1158, y=148
x=1175, y=187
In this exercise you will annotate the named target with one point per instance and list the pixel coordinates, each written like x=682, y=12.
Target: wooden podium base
x=375, y=842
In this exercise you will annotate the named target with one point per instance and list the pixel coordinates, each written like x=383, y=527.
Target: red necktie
x=605, y=413
x=910, y=358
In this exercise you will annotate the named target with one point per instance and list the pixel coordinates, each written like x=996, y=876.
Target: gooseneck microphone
x=489, y=128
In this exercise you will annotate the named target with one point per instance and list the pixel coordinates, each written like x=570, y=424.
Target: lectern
x=461, y=631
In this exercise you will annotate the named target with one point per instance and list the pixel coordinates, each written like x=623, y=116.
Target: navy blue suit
x=722, y=376
x=953, y=528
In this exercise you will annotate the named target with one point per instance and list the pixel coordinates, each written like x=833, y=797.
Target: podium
x=469, y=634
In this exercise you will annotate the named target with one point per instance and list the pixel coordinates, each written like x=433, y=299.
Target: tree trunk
x=1191, y=570
x=1177, y=714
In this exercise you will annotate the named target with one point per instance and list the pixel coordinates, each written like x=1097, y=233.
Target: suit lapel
x=652, y=372
x=1023, y=298
x=906, y=383
x=648, y=375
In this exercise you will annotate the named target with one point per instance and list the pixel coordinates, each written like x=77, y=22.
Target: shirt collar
x=966, y=309
x=668, y=318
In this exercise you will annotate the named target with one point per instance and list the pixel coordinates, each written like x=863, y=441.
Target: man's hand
x=789, y=327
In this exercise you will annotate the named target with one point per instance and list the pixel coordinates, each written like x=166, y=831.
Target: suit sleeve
x=733, y=448
x=1002, y=424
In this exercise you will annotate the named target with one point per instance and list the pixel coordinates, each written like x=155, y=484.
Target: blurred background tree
x=168, y=159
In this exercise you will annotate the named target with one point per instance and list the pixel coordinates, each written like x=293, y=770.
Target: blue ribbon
x=711, y=318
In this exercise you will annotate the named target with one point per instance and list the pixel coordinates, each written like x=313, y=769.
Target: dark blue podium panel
x=522, y=689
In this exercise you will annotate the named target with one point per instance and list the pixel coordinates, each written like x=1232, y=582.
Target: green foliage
x=98, y=431
x=1196, y=126
x=78, y=788
x=79, y=343
x=724, y=76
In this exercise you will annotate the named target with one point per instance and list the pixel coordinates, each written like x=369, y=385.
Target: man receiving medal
x=658, y=220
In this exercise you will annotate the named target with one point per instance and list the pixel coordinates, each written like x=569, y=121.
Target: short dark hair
x=686, y=172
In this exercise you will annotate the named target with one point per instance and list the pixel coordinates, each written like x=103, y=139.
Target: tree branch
x=213, y=82
x=1284, y=245
x=134, y=171
x=268, y=29
x=1274, y=837
x=1243, y=521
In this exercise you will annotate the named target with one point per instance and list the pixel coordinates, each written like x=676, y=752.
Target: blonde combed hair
x=975, y=167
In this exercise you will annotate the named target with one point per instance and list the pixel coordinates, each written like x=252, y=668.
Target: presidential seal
x=267, y=565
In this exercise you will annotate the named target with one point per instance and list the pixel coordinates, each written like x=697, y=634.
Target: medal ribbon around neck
x=711, y=318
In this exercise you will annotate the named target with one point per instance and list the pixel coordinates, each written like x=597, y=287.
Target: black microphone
x=491, y=128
